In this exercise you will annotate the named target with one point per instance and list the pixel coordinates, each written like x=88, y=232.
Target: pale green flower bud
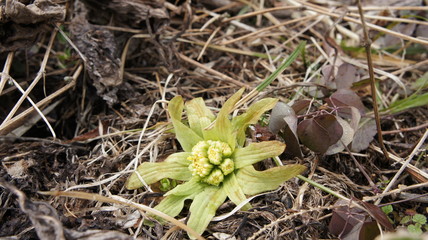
x=215, y=177
x=227, y=151
x=201, y=167
x=210, y=161
x=227, y=166
x=214, y=155
x=200, y=149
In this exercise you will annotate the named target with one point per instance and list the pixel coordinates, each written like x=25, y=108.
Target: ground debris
x=99, y=48
x=47, y=224
x=133, y=13
x=200, y=49
x=21, y=23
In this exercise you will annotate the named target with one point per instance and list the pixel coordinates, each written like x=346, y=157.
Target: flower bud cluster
x=211, y=161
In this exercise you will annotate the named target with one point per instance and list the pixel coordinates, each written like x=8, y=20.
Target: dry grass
x=89, y=144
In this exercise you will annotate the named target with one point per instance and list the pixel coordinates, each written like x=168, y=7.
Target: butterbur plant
x=215, y=164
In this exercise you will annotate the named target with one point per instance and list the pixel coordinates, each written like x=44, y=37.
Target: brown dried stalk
x=367, y=46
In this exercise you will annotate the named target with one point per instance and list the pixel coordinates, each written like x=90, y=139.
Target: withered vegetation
x=85, y=85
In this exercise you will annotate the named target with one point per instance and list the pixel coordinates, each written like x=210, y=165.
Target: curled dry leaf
x=99, y=48
x=282, y=114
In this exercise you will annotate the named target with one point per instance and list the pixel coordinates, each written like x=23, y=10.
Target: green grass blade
x=283, y=66
x=407, y=103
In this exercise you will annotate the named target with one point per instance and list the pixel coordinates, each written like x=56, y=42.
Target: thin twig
x=17, y=120
x=319, y=9
x=212, y=71
x=391, y=19
x=383, y=8
x=268, y=28
x=35, y=107
x=420, y=175
x=403, y=167
x=35, y=81
x=207, y=43
x=396, y=191
x=262, y=11
x=415, y=128
x=367, y=44
x=5, y=72
x=362, y=170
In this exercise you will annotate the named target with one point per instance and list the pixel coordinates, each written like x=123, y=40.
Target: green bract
x=215, y=165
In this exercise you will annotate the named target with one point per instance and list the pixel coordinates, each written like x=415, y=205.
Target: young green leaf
x=254, y=182
x=419, y=218
x=387, y=209
x=414, y=229
x=213, y=160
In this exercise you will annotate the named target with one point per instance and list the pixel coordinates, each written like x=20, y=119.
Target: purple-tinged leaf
x=363, y=136
x=329, y=72
x=344, y=218
x=377, y=214
x=283, y=118
x=355, y=118
x=320, y=132
x=367, y=230
x=352, y=223
x=301, y=106
x=346, y=75
x=347, y=136
x=343, y=98
x=292, y=142
x=282, y=114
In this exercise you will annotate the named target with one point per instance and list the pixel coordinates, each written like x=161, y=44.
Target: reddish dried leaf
x=91, y=134
x=320, y=132
x=262, y=134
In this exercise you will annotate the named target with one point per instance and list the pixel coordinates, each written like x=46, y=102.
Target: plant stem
x=322, y=187
x=367, y=44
